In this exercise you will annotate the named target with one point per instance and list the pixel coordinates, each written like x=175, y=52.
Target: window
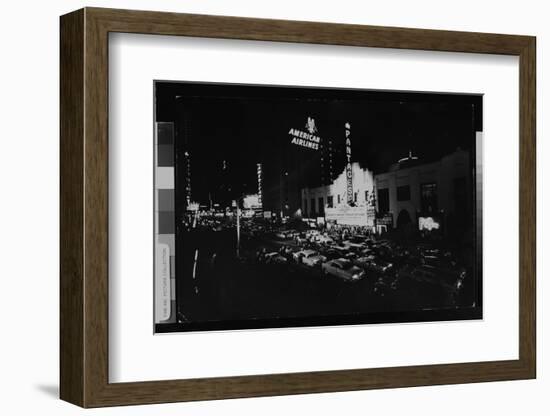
x=383, y=201
x=355, y=197
x=321, y=206
x=305, y=206
x=366, y=196
x=404, y=193
x=428, y=197
x=312, y=207
x=330, y=201
x=338, y=198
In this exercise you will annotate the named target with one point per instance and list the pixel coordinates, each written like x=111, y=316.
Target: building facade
x=407, y=194
x=330, y=201
x=411, y=190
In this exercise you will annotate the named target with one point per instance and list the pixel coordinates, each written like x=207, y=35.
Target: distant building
x=410, y=190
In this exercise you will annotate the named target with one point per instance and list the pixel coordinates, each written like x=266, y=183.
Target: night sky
x=244, y=125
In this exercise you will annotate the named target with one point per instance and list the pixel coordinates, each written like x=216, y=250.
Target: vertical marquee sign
x=187, y=178
x=349, y=183
x=259, y=174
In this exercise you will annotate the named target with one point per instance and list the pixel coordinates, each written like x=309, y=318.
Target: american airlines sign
x=306, y=138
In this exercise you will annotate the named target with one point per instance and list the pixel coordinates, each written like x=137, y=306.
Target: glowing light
x=252, y=201
x=427, y=223
x=307, y=139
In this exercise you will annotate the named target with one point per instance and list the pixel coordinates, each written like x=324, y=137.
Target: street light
x=238, y=228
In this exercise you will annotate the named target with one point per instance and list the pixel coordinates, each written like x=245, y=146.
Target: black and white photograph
x=283, y=206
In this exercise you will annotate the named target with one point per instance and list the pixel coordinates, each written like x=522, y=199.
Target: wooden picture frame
x=84, y=207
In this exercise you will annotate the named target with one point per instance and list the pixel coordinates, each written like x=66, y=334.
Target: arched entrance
x=403, y=219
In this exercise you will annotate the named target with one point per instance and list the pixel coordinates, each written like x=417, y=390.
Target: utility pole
x=196, y=257
x=238, y=229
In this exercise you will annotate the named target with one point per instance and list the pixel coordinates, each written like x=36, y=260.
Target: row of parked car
x=350, y=259
x=360, y=256
x=339, y=267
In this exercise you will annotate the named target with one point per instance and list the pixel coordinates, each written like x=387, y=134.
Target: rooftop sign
x=308, y=138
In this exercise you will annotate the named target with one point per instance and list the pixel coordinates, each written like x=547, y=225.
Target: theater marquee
x=347, y=215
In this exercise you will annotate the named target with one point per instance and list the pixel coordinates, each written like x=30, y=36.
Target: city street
x=260, y=285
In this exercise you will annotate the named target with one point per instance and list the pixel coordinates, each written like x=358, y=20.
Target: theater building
x=411, y=192
x=331, y=201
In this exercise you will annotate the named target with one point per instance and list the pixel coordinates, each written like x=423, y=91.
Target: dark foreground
x=266, y=284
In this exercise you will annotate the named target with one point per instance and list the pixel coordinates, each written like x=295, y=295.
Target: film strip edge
x=165, y=233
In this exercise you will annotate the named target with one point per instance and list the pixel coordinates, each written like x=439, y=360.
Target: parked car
x=367, y=252
x=356, y=243
x=343, y=269
x=311, y=234
x=301, y=239
x=286, y=250
x=310, y=258
x=378, y=265
x=350, y=255
x=293, y=233
x=363, y=261
x=340, y=248
x=282, y=235
x=274, y=258
x=330, y=253
x=324, y=239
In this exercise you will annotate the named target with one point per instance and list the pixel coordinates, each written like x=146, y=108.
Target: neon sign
x=349, y=174
x=307, y=138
